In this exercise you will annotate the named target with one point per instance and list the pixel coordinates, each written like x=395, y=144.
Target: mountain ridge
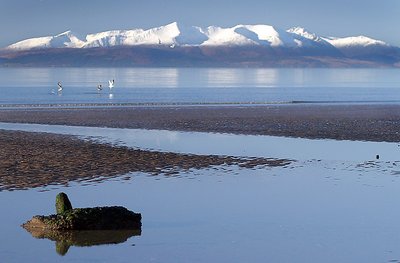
x=176, y=34
x=176, y=45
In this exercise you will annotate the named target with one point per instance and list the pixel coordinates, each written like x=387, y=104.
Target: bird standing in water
x=59, y=87
x=111, y=84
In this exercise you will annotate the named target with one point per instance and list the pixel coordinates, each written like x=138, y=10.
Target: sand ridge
x=344, y=122
x=29, y=159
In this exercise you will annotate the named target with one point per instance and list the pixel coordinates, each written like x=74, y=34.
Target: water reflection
x=150, y=77
x=228, y=77
x=200, y=77
x=200, y=85
x=65, y=239
x=203, y=143
x=266, y=77
x=223, y=77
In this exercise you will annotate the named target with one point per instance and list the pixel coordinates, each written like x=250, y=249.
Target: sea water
x=197, y=86
x=333, y=203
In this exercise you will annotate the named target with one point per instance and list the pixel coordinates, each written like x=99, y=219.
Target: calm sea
x=199, y=85
x=334, y=203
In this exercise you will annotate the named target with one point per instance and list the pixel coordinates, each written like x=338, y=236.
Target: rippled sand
x=30, y=159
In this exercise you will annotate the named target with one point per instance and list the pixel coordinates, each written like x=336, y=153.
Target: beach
x=239, y=205
x=39, y=159
x=315, y=121
x=224, y=164
x=30, y=159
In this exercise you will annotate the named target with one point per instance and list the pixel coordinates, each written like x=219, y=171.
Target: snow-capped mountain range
x=174, y=45
x=176, y=35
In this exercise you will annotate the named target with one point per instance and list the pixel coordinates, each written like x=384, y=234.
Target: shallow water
x=202, y=85
x=308, y=214
x=325, y=207
x=335, y=203
x=226, y=144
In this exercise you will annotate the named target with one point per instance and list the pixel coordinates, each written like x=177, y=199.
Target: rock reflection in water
x=65, y=239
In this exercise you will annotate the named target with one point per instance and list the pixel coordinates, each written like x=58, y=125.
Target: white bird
x=60, y=88
x=111, y=84
x=99, y=87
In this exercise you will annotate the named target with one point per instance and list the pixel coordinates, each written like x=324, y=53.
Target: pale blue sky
x=21, y=19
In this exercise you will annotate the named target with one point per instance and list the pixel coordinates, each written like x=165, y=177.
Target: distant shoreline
x=88, y=105
x=372, y=122
x=258, y=56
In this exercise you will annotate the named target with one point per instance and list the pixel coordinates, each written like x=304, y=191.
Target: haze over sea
x=198, y=86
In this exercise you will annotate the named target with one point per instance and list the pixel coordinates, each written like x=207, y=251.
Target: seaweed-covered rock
x=62, y=203
x=96, y=218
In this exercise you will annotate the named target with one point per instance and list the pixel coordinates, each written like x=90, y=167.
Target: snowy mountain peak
x=301, y=31
x=32, y=43
x=354, y=41
x=174, y=34
x=66, y=33
x=64, y=40
x=160, y=35
x=269, y=35
x=218, y=36
x=190, y=35
x=240, y=35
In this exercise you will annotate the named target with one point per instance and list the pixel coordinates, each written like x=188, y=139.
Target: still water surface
x=225, y=144
x=325, y=207
x=336, y=203
x=203, y=85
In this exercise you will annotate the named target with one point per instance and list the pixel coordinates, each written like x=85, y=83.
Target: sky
x=22, y=19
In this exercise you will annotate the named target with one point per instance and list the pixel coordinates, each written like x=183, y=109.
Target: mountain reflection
x=65, y=239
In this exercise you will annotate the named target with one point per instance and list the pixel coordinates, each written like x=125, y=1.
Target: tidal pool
x=225, y=144
x=336, y=203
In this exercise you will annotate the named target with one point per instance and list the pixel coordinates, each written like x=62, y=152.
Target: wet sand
x=29, y=159
x=38, y=159
x=343, y=122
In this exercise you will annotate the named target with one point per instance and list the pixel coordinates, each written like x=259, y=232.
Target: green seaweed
x=62, y=203
x=96, y=218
